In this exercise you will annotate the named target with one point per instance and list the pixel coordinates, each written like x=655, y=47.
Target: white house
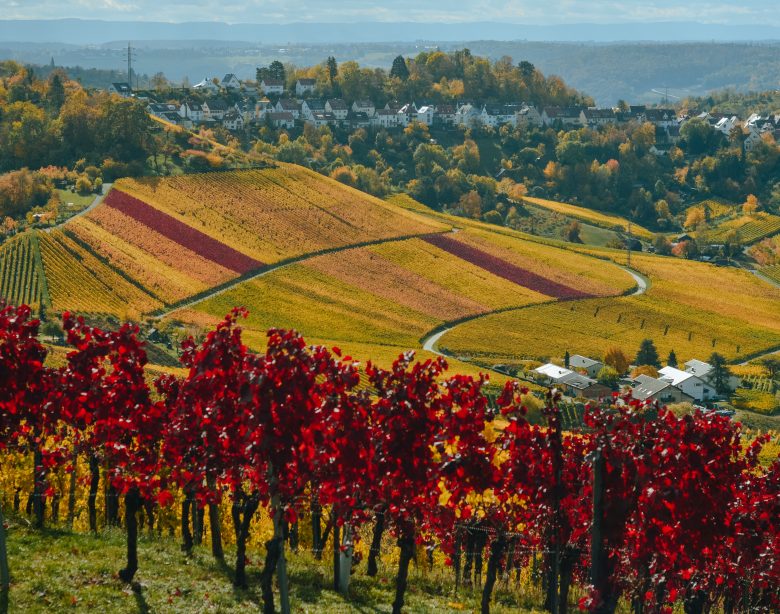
x=690, y=384
x=466, y=116
x=290, y=106
x=407, y=114
x=283, y=119
x=597, y=117
x=568, y=116
x=425, y=115
x=664, y=118
x=214, y=109
x=320, y=118
x=231, y=82
x=445, y=115
x=528, y=115
x=121, y=89
x=338, y=108
x=161, y=109
x=583, y=363
x=207, y=85
x=650, y=389
x=192, y=111
x=752, y=139
x=385, y=118
x=272, y=87
x=310, y=107
x=364, y=106
x=705, y=371
x=552, y=373
x=233, y=120
x=305, y=86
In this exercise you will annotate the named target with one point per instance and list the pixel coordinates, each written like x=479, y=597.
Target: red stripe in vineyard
x=181, y=233
x=507, y=270
x=642, y=509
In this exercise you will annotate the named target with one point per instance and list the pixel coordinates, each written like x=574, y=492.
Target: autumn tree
x=616, y=358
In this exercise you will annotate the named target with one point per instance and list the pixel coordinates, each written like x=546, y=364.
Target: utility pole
x=130, y=52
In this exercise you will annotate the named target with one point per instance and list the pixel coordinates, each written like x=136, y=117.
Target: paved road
x=97, y=200
x=429, y=342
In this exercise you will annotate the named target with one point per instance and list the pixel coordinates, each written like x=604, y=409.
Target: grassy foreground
x=56, y=570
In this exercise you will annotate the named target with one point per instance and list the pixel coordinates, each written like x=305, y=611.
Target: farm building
x=583, y=363
x=648, y=388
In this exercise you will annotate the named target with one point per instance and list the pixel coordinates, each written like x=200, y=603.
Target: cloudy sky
x=284, y=11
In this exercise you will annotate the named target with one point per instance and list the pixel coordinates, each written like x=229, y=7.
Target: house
x=272, y=87
x=665, y=118
x=705, y=371
x=385, y=118
x=425, y=115
x=358, y=119
x=566, y=116
x=262, y=107
x=214, y=109
x=576, y=385
x=528, y=115
x=551, y=373
x=597, y=117
x=690, y=384
x=305, y=86
x=754, y=137
x=364, y=106
x=121, y=89
x=233, y=120
x=280, y=119
x=588, y=365
x=407, y=114
x=192, y=111
x=320, y=118
x=725, y=124
x=231, y=82
x=466, y=116
x=206, y=85
x=310, y=107
x=650, y=389
x=290, y=106
x=497, y=115
x=338, y=108
x=445, y=115
x=173, y=117
x=157, y=109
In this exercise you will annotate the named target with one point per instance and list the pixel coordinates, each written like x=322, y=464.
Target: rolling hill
x=374, y=277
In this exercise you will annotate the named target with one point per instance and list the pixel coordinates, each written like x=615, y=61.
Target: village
x=270, y=103
x=696, y=383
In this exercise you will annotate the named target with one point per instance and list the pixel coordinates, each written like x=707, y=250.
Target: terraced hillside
x=21, y=273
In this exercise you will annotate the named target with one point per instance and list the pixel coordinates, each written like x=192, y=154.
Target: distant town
x=270, y=103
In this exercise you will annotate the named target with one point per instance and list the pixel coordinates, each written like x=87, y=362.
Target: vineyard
x=21, y=273
x=275, y=463
x=596, y=218
x=749, y=228
x=713, y=208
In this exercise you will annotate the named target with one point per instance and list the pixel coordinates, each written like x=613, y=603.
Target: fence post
x=597, y=536
x=5, y=577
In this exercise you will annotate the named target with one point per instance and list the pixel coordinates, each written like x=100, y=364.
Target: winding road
x=430, y=341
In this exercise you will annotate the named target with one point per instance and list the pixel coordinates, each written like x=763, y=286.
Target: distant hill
x=78, y=31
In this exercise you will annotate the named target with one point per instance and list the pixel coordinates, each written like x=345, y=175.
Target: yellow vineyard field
x=273, y=214
x=80, y=282
x=749, y=228
x=597, y=218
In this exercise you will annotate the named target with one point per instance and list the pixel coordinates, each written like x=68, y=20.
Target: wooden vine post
x=5, y=577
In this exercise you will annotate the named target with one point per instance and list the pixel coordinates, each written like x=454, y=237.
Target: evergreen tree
x=566, y=359
x=333, y=69
x=647, y=354
x=672, y=360
x=720, y=373
x=400, y=69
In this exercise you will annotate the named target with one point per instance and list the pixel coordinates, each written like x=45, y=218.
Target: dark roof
x=554, y=112
x=659, y=115
x=337, y=104
x=575, y=380
x=273, y=82
x=216, y=104
x=358, y=116
x=316, y=104
x=599, y=114
x=307, y=81
x=228, y=77
x=122, y=87
x=286, y=115
x=288, y=104
x=445, y=109
x=647, y=387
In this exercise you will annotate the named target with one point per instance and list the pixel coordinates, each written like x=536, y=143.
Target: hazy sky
x=284, y=11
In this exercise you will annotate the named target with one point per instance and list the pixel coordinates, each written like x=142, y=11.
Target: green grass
x=80, y=202
x=59, y=571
